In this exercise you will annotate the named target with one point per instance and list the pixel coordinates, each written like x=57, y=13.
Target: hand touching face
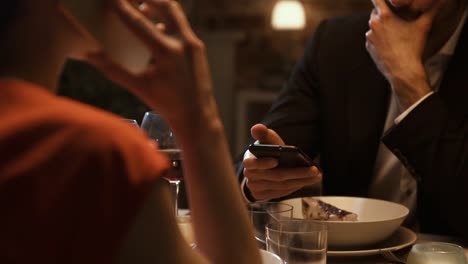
x=410, y=9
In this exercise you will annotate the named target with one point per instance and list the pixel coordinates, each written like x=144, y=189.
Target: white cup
x=436, y=253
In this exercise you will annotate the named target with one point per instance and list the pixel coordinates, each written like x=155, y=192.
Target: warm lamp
x=288, y=15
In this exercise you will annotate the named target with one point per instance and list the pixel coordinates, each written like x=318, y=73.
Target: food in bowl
x=377, y=221
x=317, y=209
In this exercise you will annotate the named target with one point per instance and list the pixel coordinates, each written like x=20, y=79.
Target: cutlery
x=390, y=256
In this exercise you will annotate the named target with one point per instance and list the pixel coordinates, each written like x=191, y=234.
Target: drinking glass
x=298, y=241
x=131, y=121
x=157, y=128
x=263, y=213
x=436, y=253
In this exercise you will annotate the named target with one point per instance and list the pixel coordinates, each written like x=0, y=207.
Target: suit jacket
x=335, y=105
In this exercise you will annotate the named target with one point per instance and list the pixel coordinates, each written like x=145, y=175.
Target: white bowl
x=270, y=258
x=377, y=220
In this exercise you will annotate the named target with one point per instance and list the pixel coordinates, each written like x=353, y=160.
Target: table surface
x=377, y=259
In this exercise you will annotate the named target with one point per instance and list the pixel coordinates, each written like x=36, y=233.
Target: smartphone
x=108, y=32
x=288, y=156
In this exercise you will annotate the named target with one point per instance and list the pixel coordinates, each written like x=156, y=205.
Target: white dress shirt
x=392, y=181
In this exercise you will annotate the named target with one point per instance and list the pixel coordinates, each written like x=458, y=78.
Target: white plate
x=402, y=238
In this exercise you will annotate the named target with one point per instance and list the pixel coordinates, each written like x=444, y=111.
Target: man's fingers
x=269, y=184
x=280, y=175
x=374, y=23
x=268, y=195
x=381, y=7
x=265, y=135
x=254, y=163
x=277, y=189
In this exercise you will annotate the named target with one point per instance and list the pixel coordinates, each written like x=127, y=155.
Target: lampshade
x=288, y=15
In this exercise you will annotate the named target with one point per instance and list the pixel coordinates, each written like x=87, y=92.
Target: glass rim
x=151, y=113
x=450, y=248
x=318, y=227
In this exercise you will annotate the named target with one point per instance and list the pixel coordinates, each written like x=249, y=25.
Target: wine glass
x=157, y=128
x=131, y=121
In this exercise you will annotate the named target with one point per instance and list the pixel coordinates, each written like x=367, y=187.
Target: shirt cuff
x=411, y=108
x=246, y=193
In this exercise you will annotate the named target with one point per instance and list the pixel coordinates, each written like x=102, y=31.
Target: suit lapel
x=454, y=86
x=368, y=99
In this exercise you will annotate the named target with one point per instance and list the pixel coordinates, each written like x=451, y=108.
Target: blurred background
x=249, y=56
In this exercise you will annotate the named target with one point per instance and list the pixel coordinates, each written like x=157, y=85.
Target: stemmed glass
x=131, y=121
x=157, y=128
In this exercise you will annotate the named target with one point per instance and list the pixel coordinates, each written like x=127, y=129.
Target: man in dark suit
x=382, y=101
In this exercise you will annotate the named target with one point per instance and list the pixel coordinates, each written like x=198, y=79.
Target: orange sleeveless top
x=72, y=177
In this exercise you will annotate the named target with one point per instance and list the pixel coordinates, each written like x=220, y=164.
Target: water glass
x=298, y=241
x=436, y=253
x=263, y=213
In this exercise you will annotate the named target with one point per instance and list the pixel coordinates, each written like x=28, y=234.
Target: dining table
x=402, y=254
x=375, y=257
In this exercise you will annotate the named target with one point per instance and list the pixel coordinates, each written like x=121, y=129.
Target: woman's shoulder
x=106, y=137
x=50, y=128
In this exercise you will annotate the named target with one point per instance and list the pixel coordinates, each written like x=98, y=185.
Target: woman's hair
x=9, y=10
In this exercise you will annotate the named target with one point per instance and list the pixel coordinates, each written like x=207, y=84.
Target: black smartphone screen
x=288, y=156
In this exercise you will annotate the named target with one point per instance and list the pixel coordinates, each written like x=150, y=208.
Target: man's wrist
x=408, y=111
x=410, y=87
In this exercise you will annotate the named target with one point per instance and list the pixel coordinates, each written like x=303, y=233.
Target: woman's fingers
x=156, y=14
x=173, y=16
x=142, y=26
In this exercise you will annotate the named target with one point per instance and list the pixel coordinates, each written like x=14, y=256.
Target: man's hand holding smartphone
x=265, y=180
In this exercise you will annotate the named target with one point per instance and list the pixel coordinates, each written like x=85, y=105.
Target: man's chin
x=408, y=15
x=404, y=12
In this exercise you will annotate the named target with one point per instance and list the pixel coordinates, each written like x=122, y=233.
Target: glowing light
x=288, y=15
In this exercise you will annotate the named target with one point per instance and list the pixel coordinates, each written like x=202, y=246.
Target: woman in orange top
x=73, y=178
